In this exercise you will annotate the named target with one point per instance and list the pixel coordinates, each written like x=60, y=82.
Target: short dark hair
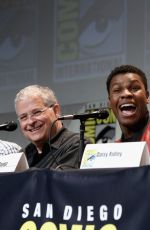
x=123, y=69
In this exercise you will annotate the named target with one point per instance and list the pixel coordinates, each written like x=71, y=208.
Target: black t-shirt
x=138, y=132
x=63, y=150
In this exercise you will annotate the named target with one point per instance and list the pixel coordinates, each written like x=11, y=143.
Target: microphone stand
x=82, y=144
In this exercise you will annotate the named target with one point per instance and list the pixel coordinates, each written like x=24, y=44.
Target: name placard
x=13, y=162
x=115, y=155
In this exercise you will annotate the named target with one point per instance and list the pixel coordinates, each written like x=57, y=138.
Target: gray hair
x=44, y=92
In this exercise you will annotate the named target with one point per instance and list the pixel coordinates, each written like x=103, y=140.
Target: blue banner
x=75, y=200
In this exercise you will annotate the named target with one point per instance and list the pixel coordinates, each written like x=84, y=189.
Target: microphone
x=9, y=126
x=100, y=114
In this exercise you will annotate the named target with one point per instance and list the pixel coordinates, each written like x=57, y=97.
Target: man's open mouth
x=34, y=129
x=128, y=109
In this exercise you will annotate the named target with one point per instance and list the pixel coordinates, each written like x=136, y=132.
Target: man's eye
x=37, y=112
x=22, y=118
x=115, y=90
x=135, y=88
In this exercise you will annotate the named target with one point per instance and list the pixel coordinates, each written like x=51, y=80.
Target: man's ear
x=109, y=104
x=57, y=110
x=148, y=98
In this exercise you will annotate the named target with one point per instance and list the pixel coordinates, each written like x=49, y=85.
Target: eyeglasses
x=34, y=114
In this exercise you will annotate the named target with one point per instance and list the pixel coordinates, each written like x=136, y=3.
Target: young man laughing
x=128, y=97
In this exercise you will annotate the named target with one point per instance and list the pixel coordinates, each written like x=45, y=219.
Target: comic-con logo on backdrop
x=100, y=130
x=85, y=40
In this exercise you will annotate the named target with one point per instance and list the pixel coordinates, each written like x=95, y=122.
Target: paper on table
x=13, y=162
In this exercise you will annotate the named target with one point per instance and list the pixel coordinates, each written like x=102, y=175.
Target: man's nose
x=126, y=93
x=30, y=118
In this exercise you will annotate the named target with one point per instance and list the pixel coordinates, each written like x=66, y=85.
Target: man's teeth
x=32, y=130
x=127, y=106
